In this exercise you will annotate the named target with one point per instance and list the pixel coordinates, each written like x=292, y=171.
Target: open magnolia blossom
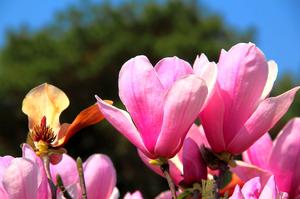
x=43, y=106
x=187, y=167
x=239, y=111
x=162, y=103
x=279, y=158
x=253, y=189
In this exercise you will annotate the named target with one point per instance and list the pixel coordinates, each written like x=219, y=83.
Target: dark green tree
x=81, y=52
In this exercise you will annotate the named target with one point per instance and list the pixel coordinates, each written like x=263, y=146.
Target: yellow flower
x=43, y=106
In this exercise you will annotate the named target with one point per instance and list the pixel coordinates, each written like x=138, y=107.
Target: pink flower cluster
x=229, y=98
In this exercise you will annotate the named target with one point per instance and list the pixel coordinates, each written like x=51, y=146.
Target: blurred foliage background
x=81, y=52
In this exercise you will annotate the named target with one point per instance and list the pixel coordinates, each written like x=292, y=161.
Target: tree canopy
x=81, y=52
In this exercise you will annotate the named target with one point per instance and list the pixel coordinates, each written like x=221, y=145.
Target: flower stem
x=46, y=162
x=61, y=186
x=81, y=178
x=196, y=194
x=165, y=169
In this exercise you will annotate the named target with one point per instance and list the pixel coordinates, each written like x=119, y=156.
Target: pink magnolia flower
x=135, y=195
x=187, y=167
x=238, y=112
x=98, y=170
x=279, y=158
x=21, y=178
x=163, y=103
x=253, y=189
x=99, y=175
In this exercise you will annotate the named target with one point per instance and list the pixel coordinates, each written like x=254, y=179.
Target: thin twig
x=46, y=162
x=165, y=169
x=81, y=178
x=61, y=186
x=196, y=194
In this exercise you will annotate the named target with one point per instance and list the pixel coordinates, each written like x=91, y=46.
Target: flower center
x=43, y=133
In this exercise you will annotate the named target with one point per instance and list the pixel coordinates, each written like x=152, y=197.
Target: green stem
x=46, y=162
x=165, y=169
x=61, y=186
x=81, y=178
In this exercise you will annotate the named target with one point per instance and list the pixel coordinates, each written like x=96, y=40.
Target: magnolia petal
x=212, y=121
x=45, y=100
x=28, y=153
x=199, y=64
x=87, y=117
x=284, y=160
x=4, y=163
x=194, y=168
x=237, y=194
x=265, y=117
x=142, y=94
x=207, y=71
x=3, y=193
x=122, y=122
x=258, y=154
x=247, y=171
x=270, y=190
x=252, y=188
x=99, y=170
x=164, y=195
x=273, y=71
x=196, y=133
x=171, y=69
x=20, y=179
x=115, y=193
x=134, y=195
x=242, y=75
x=183, y=103
x=67, y=169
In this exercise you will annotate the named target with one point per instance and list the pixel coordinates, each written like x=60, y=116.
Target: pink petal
x=270, y=190
x=197, y=134
x=3, y=193
x=171, y=69
x=122, y=122
x=242, y=75
x=194, y=168
x=273, y=70
x=67, y=169
x=135, y=195
x=182, y=105
x=252, y=188
x=259, y=153
x=284, y=160
x=28, y=153
x=115, y=193
x=237, y=194
x=207, y=71
x=4, y=163
x=247, y=171
x=265, y=117
x=100, y=176
x=142, y=93
x=164, y=195
x=212, y=121
x=20, y=179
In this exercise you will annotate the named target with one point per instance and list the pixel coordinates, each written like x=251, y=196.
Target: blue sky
x=277, y=22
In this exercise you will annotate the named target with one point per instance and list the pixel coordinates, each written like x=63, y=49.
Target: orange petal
x=87, y=117
x=45, y=100
x=229, y=188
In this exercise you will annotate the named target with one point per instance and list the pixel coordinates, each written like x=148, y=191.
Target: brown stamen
x=43, y=132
